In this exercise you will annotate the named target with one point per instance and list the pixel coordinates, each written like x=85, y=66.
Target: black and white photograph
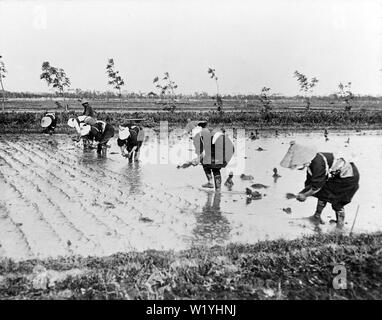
x=191, y=151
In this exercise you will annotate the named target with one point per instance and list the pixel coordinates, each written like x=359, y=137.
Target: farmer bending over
x=76, y=123
x=329, y=179
x=101, y=132
x=130, y=140
x=214, y=151
x=49, y=122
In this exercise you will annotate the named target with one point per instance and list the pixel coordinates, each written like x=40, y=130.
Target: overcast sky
x=251, y=44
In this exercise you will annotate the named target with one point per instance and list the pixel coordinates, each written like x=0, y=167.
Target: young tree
x=55, y=78
x=306, y=87
x=219, y=100
x=166, y=87
x=346, y=95
x=265, y=100
x=115, y=80
x=3, y=71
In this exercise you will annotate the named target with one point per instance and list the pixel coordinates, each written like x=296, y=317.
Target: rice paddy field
x=76, y=226
x=65, y=206
x=82, y=219
x=58, y=200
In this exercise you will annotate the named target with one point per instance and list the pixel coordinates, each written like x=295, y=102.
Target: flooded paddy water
x=57, y=199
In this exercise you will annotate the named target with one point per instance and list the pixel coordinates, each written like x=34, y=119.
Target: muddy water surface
x=57, y=199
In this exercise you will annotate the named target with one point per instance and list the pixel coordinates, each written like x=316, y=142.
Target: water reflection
x=167, y=189
x=210, y=223
x=317, y=226
x=133, y=172
x=88, y=156
x=130, y=180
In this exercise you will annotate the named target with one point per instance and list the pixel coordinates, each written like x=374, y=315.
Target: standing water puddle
x=57, y=199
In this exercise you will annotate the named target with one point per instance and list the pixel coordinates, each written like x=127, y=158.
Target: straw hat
x=81, y=118
x=46, y=122
x=195, y=131
x=298, y=155
x=189, y=126
x=85, y=102
x=87, y=120
x=123, y=133
x=72, y=122
x=84, y=129
x=216, y=136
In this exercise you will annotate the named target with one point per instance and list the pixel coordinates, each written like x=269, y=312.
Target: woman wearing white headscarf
x=329, y=178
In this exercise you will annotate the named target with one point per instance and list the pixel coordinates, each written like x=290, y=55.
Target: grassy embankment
x=29, y=122
x=298, y=269
x=24, y=115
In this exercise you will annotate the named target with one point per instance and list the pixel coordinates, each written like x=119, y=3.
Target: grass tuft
x=297, y=269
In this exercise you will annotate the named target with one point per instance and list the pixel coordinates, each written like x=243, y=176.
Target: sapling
x=265, y=100
x=346, y=95
x=3, y=71
x=306, y=87
x=115, y=80
x=166, y=88
x=56, y=78
x=219, y=100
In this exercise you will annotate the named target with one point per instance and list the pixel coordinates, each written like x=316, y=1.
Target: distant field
x=24, y=115
x=187, y=105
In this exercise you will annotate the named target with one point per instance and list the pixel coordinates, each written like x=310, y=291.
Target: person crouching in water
x=49, y=123
x=329, y=179
x=76, y=123
x=101, y=132
x=130, y=141
x=214, y=151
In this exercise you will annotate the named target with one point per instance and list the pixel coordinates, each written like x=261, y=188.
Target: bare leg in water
x=317, y=215
x=217, y=178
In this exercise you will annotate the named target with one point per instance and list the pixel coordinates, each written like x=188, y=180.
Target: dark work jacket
x=88, y=111
x=100, y=134
x=332, y=188
x=316, y=175
x=216, y=155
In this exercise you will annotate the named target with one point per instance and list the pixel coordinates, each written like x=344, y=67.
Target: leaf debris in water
x=109, y=204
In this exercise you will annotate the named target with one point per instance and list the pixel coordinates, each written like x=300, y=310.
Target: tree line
x=59, y=83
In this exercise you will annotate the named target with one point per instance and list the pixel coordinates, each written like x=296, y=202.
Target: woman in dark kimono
x=329, y=179
x=214, y=151
x=130, y=141
x=101, y=132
